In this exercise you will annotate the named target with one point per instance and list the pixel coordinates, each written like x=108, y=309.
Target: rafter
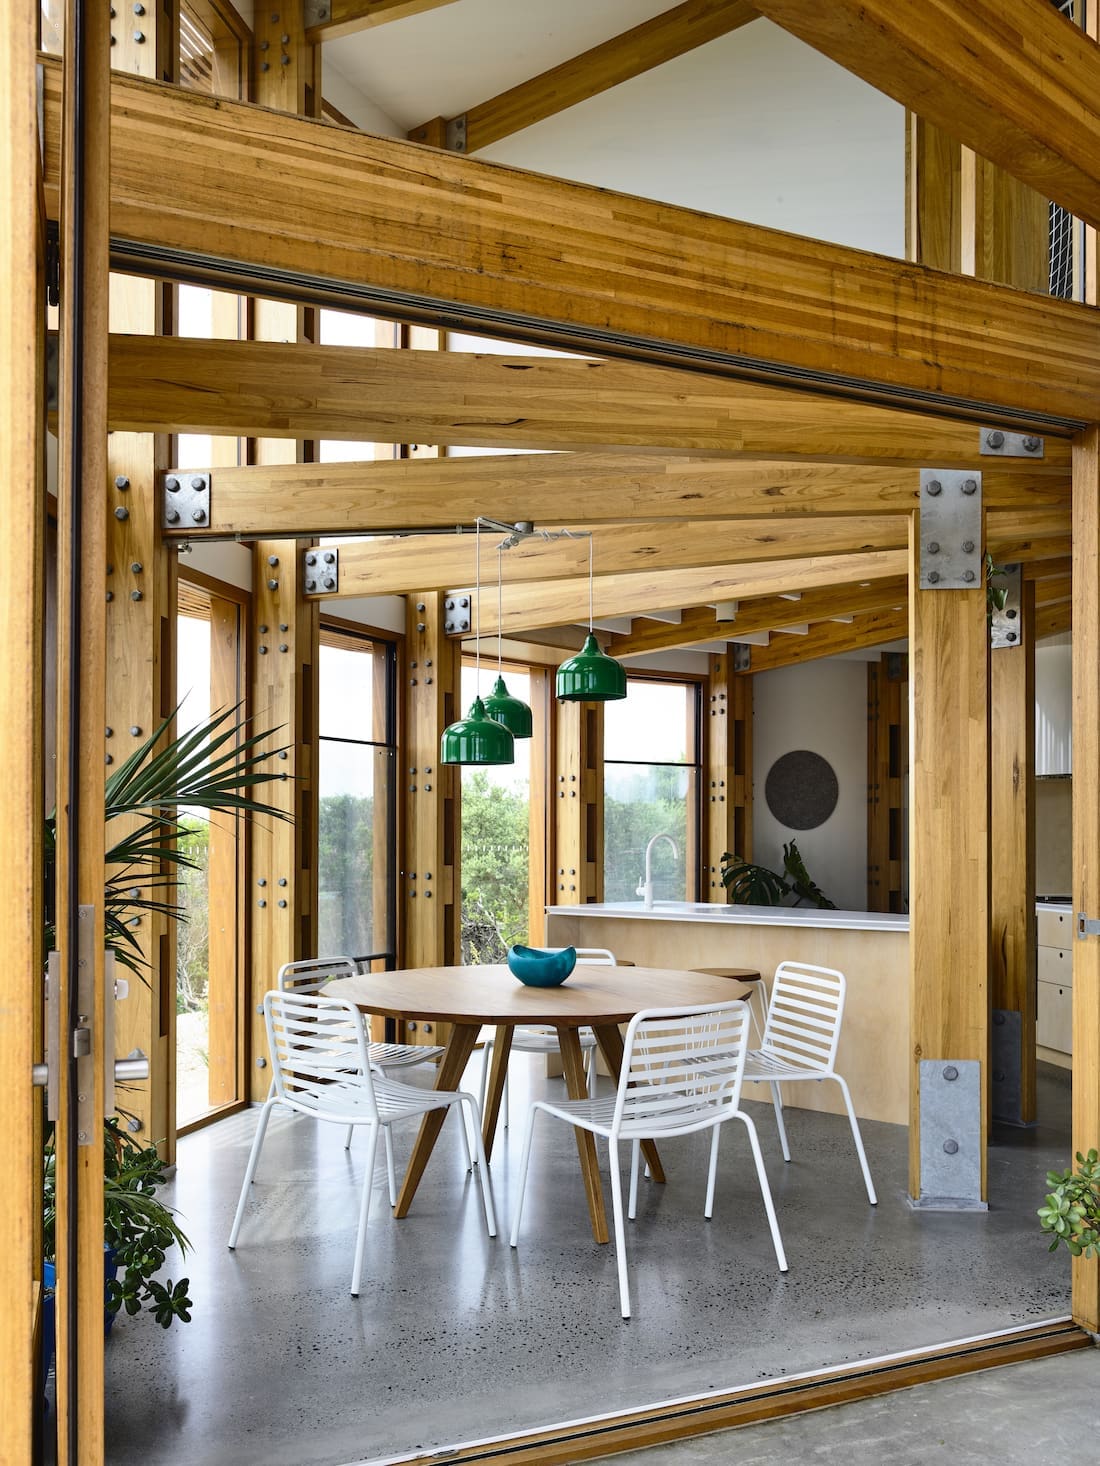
x=765, y=613
x=345, y=17
x=379, y=567
x=558, y=488
x=555, y=603
x=346, y=218
x=597, y=70
x=1049, y=620
x=1013, y=79
x=264, y=389
x=828, y=639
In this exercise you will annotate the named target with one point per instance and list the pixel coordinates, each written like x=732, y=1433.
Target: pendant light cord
x=590, y=537
x=477, y=607
x=500, y=605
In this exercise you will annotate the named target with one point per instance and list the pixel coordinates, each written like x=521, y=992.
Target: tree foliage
x=494, y=867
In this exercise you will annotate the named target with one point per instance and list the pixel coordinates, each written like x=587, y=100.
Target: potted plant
x=1072, y=1211
x=756, y=885
x=206, y=768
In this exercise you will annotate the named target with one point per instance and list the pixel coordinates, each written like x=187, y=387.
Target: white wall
x=820, y=706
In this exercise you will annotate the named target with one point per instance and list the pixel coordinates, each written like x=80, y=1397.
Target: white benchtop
x=726, y=915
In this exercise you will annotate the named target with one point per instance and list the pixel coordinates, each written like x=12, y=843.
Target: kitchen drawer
x=1054, y=928
x=1054, y=1017
x=1055, y=964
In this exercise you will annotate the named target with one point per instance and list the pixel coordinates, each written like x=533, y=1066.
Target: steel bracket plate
x=997, y=443
x=1007, y=1059
x=742, y=656
x=950, y=1135
x=314, y=12
x=87, y=1125
x=456, y=134
x=186, y=502
x=950, y=529
x=1006, y=627
x=456, y=609
x=321, y=572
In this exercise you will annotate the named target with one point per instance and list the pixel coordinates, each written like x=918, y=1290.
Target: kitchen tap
x=645, y=890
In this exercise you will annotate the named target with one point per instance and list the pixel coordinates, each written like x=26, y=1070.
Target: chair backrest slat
x=804, y=1015
x=682, y=1064
x=318, y=1048
x=312, y=973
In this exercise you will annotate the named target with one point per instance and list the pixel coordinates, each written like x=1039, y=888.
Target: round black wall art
x=801, y=790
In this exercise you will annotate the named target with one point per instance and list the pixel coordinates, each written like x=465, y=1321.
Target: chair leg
x=635, y=1152
x=364, y=1208
x=391, y=1176
x=765, y=1190
x=250, y=1169
x=858, y=1138
x=347, y=1136
x=592, y=1072
x=505, y=1102
x=467, y=1154
x=777, y=1104
x=523, y=1165
x=466, y=1101
x=620, y=1230
x=487, y=1058
x=708, y=1209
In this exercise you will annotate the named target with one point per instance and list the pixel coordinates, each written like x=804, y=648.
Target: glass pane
x=356, y=790
x=650, y=725
x=348, y=706
x=641, y=801
x=193, y=895
x=495, y=837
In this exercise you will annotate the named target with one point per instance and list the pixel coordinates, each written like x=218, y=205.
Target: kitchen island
x=871, y=948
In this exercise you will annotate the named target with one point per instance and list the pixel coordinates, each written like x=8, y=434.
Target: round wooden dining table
x=596, y=997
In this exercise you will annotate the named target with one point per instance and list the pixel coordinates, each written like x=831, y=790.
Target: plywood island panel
x=871, y=949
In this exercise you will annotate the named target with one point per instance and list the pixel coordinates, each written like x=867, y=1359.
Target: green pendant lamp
x=500, y=705
x=477, y=738
x=591, y=676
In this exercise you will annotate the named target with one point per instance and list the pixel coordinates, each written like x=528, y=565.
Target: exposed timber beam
x=1047, y=569
x=1013, y=79
x=607, y=65
x=561, y=602
x=765, y=613
x=1050, y=620
x=828, y=639
x=285, y=389
x=346, y=219
x=383, y=567
x=558, y=488
x=328, y=20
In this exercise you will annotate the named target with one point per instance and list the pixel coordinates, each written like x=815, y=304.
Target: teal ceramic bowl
x=540, y=969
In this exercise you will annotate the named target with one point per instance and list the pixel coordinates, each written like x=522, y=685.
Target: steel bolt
x=329, y=583
x=135, y=731
x=311, y=559
x=282, y=880
x=108, y=732
x=110, y=595
x=950, y=1072
x=933, y=577
x=198, y=515
x=934, y=487
x=198, y=482
x=969, y=576
x=1011, y=636
x=273, y=560
x=172, y=516
x=282, y=903
x=264, y=66
x=1032, y=444
x=261, y=1063
x=273, y=585
x=262, y=881
x=136, y=595
x=139, y=38
x=283, y=647
x=970, y=486
x=263, y=651
x=933, y=547
x=951, y=1147
x=136, y=567
x=995, y=439
x=968, y=547
x=108, y=759
x=122, y=482
x=311, y=585
x=284, y=60
x=122, y=512
x=283, y=626
x=172, y=485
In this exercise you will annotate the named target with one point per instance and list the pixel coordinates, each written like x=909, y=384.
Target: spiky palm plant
x=208, y=768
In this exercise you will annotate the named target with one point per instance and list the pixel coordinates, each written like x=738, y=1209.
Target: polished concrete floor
x=458, y=1337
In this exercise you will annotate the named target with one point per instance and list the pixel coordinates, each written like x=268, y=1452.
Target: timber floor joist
x=337, y=217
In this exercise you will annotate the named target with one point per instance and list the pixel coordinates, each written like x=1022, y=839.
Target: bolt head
x=122, y=512
x=933, y=547
x=933, y=577
x=198, y=482
x=330, y=584
x=273, y=560
x=995, y=439
x=172, y=485
x=273, y=585
x=137, y=567
x=311, y=585
x=970, y=486
x=968, y=547
x=172, y=516
x=934, y=487
x=122, y=482
x=969, y=576
x=198, y=515
x=136, y=595
x=329, y=557
x=1032, y=445
x=135, y=731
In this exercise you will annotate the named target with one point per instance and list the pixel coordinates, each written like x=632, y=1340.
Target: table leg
x=498, y=1072
x=457, y=1055
x=610, y=1042
x=573, y=1064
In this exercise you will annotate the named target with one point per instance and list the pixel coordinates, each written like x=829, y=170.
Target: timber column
x=141, y=612
x=727, y=774
x=576, y=793
x=283, y=646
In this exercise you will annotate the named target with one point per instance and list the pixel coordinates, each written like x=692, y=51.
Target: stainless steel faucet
x=645, y=890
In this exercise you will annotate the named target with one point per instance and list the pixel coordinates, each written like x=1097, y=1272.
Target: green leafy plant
x=1072, y=1212
x=996, y=596
x=152, y=796
x=756, y=885
x=138, y=1229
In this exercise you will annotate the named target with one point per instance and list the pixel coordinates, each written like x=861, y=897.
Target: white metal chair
x=800, y=1041
x=682, y=1071
x=321, y=1066
x=543, y=1039
x=311, y=975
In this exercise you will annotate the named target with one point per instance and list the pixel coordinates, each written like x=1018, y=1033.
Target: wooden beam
x=357, y=498
x=346, y=17
x=1013, y=79
x=389, y=567
x=1086, y=834
x=267, y=389
x=349, y=219
x=607, y=65
x=22, y=599
x=828, y=639
x=1047, y=592
x=764, y=613
x=554, y=603
x=1050, y=620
